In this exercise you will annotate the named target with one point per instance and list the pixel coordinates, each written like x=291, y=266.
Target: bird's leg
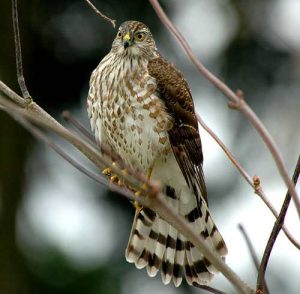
x=144, y=187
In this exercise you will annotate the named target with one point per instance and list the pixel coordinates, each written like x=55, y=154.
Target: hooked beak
x=127, y=41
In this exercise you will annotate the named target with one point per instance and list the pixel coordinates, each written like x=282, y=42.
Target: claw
x=114, y=178
x=107, y=171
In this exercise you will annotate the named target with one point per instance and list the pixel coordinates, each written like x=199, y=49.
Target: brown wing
x=184, y=136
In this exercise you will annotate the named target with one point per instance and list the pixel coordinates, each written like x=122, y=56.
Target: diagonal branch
x=68, y=117
x=257, y=187
x=236, y=101
x=112, y=21
x=276, y=229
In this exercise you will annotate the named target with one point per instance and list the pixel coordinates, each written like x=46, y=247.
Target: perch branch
x=236, y=101
x=275, y=231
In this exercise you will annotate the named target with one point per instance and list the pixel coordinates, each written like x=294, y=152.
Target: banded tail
x=156, y=245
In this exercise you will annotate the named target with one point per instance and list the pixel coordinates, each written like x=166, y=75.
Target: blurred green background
x=62, y=233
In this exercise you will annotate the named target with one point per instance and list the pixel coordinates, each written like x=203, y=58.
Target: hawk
x=141, y=106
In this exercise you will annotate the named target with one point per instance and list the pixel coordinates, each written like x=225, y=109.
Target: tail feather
x=178, y=270
x=155, y=244
x=169, y=256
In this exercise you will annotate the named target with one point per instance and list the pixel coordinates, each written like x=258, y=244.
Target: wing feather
x=184, y=135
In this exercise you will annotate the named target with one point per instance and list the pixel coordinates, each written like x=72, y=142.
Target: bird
x=141, y=106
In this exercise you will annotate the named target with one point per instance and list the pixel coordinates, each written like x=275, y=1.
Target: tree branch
x=256, y=186
x=236, y=101
x=112, y=21
x=252, y=252
x=68, y=117
x=276, y=229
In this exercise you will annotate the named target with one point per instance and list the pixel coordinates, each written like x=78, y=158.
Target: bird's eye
x=140, y=36
x=119, y=35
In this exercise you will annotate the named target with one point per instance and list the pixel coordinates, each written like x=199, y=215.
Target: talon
x=120, y=183
x=107, y=171
x=136, y=204
x=114, y=178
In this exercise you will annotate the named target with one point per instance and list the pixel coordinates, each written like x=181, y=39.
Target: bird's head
x=134, y=39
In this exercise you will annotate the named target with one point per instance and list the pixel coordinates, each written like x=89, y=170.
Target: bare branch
x=19, y=65
x=236, y=101
x=249, y=245
x=276, y=229
x=252, y=252
x=68, y=117
x=112, y=21
x=254, y=183
x=226, y=151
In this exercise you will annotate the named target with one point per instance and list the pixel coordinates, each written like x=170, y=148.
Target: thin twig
x=226, y=151
x=257, y=189
x=275, y=231
x=252, y=252
x=236, y=101
x=112, y=21
x=250, y=246
x=19, y=65
x=68, y=117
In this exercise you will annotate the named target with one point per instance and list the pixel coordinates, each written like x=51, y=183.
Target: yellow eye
x=140, y=36
x=119, y=35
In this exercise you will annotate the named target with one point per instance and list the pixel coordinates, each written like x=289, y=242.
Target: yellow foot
x=137, y=194
x=114, y=178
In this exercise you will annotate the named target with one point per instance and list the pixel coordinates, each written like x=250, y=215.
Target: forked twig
x=112, y=21
x=275, y=231
x=236, y=101
x=257, y=188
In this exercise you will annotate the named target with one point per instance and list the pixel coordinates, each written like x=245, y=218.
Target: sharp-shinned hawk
x=141, y=106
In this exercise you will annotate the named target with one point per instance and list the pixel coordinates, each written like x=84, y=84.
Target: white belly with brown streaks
x=131, y=117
